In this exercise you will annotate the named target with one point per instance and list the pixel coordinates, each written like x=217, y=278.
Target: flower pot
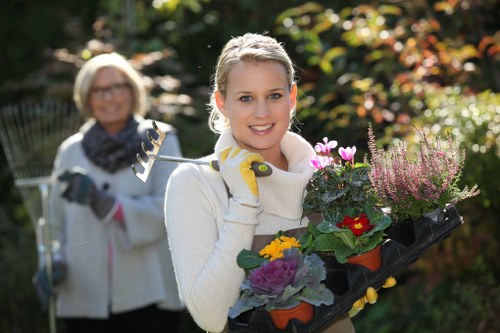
x=302, y=312
x=371, y=259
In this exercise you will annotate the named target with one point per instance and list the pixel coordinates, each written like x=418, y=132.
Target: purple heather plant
x=411, y=187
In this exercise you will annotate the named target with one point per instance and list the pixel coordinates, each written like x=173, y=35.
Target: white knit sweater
x=207, y=231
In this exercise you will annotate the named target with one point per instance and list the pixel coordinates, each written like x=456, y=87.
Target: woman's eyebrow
x=249, y=92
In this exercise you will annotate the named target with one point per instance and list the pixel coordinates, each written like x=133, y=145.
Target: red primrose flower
x=358, y=225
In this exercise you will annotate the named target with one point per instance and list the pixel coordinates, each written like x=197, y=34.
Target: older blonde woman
x=110, y=225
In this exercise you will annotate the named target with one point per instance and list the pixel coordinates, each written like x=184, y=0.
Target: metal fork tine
x=141, y=161
x=145, y=149
x=151, y=139
x=151, y=154
x=155, y=143
x=138, y=174
x=161, y=134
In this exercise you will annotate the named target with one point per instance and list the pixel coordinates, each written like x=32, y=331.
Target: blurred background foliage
x=433, y=64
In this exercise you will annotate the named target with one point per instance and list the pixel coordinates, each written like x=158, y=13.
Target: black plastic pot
x=406, y=240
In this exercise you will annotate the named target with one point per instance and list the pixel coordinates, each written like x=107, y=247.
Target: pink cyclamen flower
x=325, y=147
x=320, y=162
x=347, y=154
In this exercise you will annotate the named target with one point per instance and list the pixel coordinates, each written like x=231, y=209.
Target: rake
x=260, y=169
x=30, y=135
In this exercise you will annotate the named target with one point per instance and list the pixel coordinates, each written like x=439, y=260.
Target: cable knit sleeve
x=204, y=246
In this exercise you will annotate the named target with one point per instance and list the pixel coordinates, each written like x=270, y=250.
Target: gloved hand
x=371, y=297
x=81, y=189
x=44, y=289
x=235, y=169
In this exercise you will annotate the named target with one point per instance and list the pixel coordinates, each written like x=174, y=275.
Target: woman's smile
x=261, y=129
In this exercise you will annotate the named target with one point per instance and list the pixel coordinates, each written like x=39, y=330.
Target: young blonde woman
x=211, y=216
x=110, y=225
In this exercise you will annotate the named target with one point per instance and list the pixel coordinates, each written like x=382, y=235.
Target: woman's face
x=111, y=99
x=258, y=104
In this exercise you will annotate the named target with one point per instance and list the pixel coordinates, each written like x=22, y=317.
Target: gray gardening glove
x=44, y=289
x=81, y=189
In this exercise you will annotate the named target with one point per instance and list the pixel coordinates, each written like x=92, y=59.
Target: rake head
x=151, y=154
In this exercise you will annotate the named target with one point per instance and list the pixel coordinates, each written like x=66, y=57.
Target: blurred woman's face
x=111, y=99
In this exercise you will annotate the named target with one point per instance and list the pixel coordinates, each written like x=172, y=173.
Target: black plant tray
x=406, y=240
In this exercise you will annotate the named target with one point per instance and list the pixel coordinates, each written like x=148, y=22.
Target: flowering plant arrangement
x=280, y=276
x=340, y=189
x=411, y=187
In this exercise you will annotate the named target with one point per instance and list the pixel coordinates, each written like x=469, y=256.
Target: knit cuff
x=242, y=212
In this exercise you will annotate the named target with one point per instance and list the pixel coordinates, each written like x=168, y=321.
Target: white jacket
x=141, y=271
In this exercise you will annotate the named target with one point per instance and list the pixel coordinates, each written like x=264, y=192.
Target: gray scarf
x=111, y=152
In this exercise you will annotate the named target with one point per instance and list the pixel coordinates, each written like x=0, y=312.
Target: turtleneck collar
x=282, y=193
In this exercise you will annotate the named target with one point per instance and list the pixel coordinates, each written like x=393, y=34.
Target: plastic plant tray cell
x=406, y=240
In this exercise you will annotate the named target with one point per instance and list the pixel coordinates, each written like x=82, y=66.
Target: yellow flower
x=360, y=303
x=390, y=282
x=272, y=251
x=289, y=242
x=371, y=295
x=275, y=249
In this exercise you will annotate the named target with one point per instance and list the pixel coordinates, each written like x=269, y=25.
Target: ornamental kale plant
x=283, y=283
x=410, y=186
x=340, y=189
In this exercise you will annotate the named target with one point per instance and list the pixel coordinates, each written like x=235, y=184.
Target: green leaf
x=247, y=260
x=370, y=243
x=317, y=296
x=245, y=303
x=291, y=291
x=306, y=243
x=342, y=253
x=326, y=243
x=347, y=237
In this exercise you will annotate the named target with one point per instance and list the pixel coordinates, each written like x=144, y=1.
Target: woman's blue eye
x=275, y=96
x=245, y=98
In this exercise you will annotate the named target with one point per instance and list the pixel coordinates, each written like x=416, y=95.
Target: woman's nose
x=262, y=110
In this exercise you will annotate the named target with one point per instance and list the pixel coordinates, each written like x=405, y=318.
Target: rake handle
x=260, y=169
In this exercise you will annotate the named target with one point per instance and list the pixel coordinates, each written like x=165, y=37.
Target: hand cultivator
x=260, y=169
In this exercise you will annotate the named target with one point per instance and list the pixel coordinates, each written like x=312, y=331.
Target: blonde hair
x=249, y=47
x=88, y=72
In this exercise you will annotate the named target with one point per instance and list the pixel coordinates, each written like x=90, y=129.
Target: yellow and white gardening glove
x=371, y=297
x=235, y=164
